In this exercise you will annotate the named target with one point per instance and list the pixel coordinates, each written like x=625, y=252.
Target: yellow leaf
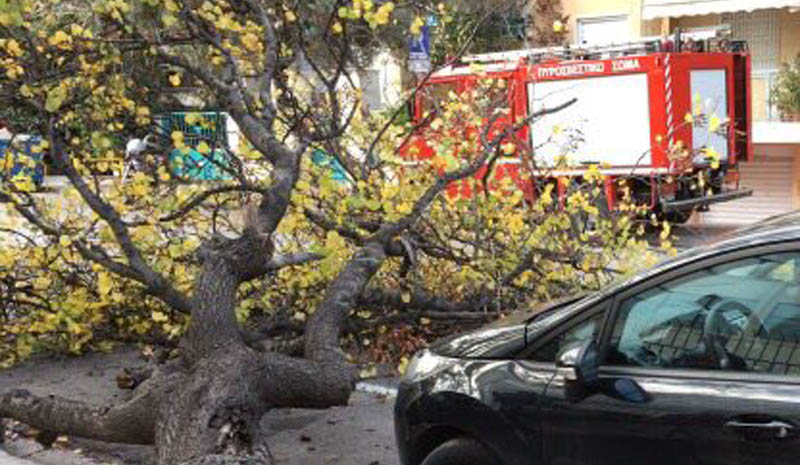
x=159, y=317
x=515, y=224
x=714, y=123
x=175, y=79
x=168, y=19
x=416, y=26
x=558, y=26
x=13, y=48
x=251, y=42
x=60, y=37
x=403, y=365
x=665, y=230
x=104, y=283
x=65, y=241
x=55, y=98
x=405, y=297
x=192, y=118
x=203, y=147
x=337, y=27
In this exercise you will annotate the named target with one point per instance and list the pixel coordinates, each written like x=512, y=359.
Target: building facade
x=772, y=30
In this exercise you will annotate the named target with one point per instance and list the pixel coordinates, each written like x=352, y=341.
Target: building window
x=603, y=30
x=760, y=29
x=371, y=88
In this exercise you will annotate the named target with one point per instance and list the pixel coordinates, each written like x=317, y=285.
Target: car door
x=519, y=395
x=716, y=348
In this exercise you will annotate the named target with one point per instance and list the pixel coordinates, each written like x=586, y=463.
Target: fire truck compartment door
x=609, y=123
x=709, y=92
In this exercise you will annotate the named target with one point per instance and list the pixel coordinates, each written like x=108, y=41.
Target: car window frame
x=678, y=273
x=580, y=316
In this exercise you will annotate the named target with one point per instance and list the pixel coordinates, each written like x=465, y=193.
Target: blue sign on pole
x=419, y=51
x=420, y=46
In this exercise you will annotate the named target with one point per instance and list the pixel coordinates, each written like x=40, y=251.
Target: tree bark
x=213, y=325
x=218, y=409
x=324, y=327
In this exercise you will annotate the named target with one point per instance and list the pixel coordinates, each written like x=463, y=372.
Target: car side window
x=576, y=334
x=737, y=316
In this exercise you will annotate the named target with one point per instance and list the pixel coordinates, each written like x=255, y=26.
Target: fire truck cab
x=655, y=116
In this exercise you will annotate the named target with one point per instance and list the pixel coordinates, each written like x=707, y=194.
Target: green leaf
x=10, y=12
x=55, y=98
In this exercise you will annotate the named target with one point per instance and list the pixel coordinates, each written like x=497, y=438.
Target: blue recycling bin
x=189, y=164
x=321, y=158
x=12, y=159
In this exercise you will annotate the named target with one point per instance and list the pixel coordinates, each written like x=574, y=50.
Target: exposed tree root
x=132, y=422
x=207, y=415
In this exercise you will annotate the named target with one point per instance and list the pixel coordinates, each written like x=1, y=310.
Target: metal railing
x=763, y=352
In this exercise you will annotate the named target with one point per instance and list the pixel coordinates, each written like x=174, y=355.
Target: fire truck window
x=709, y=87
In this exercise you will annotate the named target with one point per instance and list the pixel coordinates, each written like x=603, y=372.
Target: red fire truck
x=630, y=117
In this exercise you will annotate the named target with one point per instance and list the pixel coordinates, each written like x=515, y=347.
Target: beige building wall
x=796, y=183
x=789, y=29
x=578, y=9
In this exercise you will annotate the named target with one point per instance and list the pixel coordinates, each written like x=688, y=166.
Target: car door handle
x=781, y=428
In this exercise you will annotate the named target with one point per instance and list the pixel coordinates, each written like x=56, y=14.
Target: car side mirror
x=580, y=363
x=578, y=366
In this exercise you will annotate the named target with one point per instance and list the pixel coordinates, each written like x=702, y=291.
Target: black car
x=696, y=361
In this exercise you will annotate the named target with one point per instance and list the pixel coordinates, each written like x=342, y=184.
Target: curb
x=376, y=388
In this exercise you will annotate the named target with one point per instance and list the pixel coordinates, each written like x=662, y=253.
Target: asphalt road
x=6, y=459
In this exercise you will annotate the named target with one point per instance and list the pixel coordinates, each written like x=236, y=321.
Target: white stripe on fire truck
x=668, y=96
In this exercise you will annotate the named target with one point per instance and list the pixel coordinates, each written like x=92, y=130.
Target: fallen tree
x=278, y=69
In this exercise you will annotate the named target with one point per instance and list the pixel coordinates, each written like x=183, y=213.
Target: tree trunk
x=218, y=409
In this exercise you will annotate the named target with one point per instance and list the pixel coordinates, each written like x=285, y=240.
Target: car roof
x=773, y=230
x=779, y=228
